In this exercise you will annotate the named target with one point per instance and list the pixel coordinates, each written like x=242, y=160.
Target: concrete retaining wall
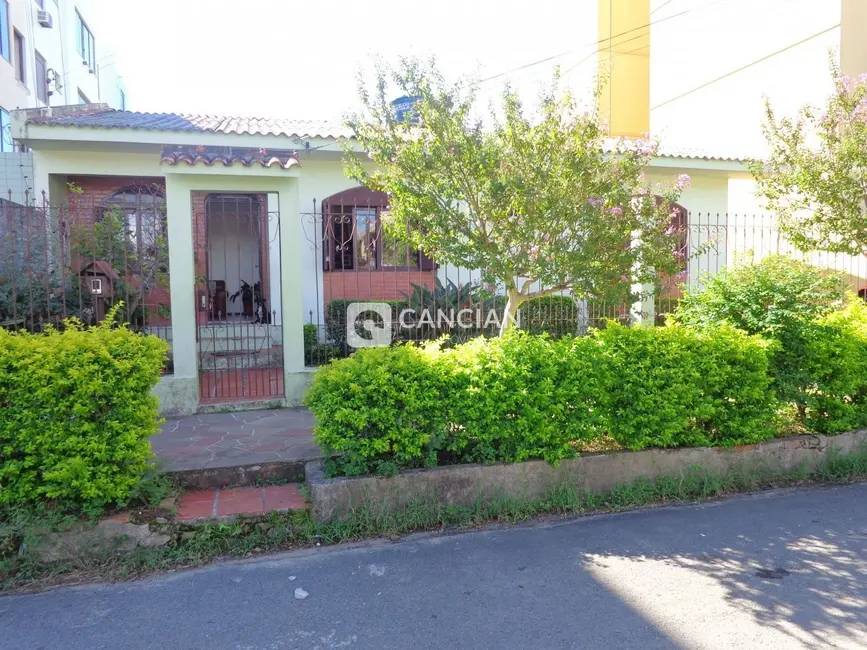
x=464, y=484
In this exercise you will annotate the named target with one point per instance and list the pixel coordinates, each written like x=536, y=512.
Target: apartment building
x=50, y=55
x=696, y=73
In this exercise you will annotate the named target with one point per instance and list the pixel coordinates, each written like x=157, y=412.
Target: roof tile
x=113, y=119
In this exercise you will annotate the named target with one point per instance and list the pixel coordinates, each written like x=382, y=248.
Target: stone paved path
x=231, y=439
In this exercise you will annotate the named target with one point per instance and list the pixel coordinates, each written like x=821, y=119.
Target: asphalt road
x=778, y=570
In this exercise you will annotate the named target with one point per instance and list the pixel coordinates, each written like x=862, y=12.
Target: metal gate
x=240, y=338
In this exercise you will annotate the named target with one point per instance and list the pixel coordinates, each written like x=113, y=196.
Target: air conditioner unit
x=44, y=19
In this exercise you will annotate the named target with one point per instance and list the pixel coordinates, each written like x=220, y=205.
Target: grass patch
x=282, y=531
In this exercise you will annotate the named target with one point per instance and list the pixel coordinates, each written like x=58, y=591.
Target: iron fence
x=73, y=260
x=354, y=261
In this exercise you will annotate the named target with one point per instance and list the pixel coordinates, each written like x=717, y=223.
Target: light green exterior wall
x=60, y=152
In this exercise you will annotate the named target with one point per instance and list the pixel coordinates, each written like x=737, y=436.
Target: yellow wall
x=853, y=37
x=624, y=53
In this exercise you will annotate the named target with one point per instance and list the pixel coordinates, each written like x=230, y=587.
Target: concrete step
x=241, y=360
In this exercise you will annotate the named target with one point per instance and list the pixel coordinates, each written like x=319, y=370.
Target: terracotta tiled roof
x=111, y=119
x=672, y=151
x=100, y=116
x=229, y=156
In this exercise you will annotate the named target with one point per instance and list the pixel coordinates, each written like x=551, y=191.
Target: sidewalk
x=233, y=439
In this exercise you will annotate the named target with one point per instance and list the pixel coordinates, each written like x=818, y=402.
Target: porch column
x=292, y=303
x=643, y=311
x=182, y=273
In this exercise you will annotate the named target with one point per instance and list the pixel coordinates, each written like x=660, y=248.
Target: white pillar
x=643, y=310
x=182, y=277
x=291, y=281
x=274, y=299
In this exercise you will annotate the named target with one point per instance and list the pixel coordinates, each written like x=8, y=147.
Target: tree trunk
x=516, y=299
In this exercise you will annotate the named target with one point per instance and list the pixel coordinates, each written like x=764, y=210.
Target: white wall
x=692, y=105
x=233, y=253
x=58, y=46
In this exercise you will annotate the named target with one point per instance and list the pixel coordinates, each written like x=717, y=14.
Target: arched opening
x=354, y=239
x=133, y=229
x=236, y=252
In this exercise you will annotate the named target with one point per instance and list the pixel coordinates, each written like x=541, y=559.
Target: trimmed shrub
x=77, y=412
x=672, y=386
x=835, y=360
x=380, y=409
x=777, y=298
x=521, y=397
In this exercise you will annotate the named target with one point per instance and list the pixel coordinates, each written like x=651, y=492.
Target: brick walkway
x=203, y=504
x=232, y=439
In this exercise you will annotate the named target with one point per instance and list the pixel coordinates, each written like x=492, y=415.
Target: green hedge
x=817, y=327
x=380, y=409
x=677, y=387
x=778, y=298
x=77, y=412
x=834, y=359
x=335, y=318
x=520, y=397
x=523, y=396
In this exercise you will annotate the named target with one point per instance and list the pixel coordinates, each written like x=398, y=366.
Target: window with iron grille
x=137, y=215
x=355, y=239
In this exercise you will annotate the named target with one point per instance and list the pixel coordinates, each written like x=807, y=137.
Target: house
x=50, y=55
x=262, y=230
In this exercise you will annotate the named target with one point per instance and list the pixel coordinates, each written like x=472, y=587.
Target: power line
x=744, y=67
x=599, y=42
x=662, y=6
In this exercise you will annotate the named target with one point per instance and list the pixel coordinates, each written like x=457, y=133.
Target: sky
x=300, y=59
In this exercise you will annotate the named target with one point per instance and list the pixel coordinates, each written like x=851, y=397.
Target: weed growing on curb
x=281, y=531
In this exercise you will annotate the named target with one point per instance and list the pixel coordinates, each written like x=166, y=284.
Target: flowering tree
x=815, y=178
x=539, y=204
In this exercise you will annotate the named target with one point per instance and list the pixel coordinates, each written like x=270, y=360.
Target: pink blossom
x=683, y=181
x=616, y=211
x=594, y=201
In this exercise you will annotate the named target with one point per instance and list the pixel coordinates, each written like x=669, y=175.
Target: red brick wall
x=373, y=285
x=84, y=208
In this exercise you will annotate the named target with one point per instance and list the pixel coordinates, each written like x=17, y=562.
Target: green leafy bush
x=777, y=298
x=335, y=319
x=764, y=298
x=522, y=396
x=316, y=353
x=835, y=360
x=77, y=412
x=519, y=397
x=674, y=386
x=379, y=408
